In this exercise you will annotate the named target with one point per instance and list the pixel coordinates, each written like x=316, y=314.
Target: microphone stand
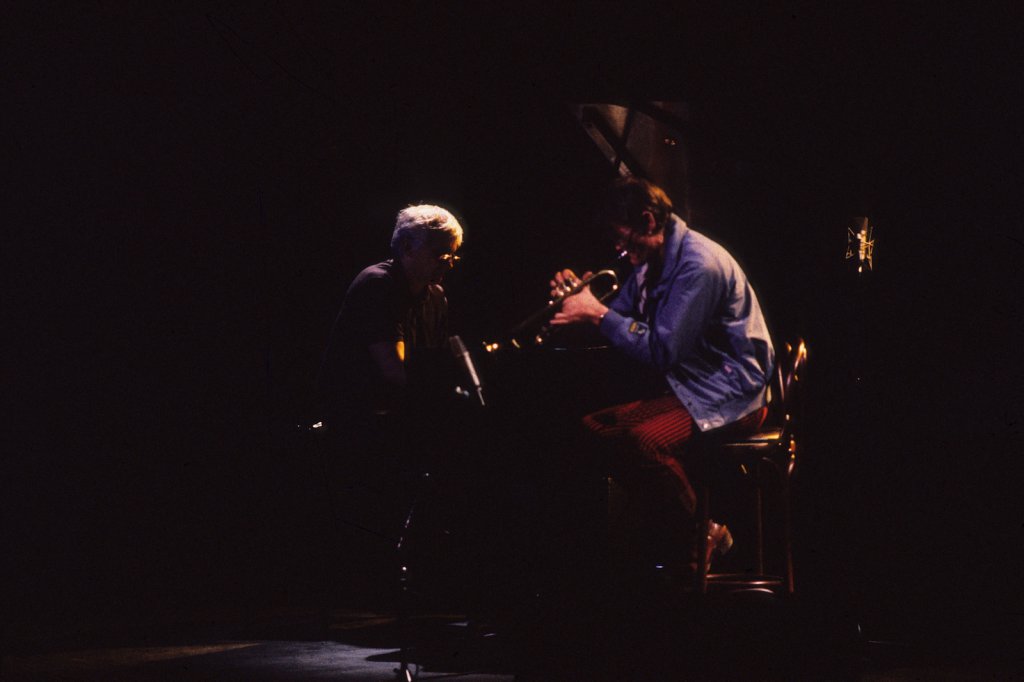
x=465, y=360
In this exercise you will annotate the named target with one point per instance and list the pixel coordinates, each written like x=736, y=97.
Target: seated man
x=388, y=352
x=371, y=390
x=689, y=312
x=391, y=310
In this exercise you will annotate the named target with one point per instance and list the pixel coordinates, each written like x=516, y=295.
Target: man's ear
x=649, y=223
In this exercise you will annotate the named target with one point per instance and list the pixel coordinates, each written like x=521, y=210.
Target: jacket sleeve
x=683, y=307
x=625, y=301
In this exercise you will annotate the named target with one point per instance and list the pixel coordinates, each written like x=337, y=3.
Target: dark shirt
x=378, y=307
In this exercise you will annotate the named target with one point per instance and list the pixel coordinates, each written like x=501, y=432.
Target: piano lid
x=645, y=139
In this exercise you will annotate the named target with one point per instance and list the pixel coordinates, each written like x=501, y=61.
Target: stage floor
x=366, y=646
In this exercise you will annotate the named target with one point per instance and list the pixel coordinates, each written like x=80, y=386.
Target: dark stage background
x=189, y=191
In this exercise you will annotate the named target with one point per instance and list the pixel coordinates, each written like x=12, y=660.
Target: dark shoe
x=719, y=541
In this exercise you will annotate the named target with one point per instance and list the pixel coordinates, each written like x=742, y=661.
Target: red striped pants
x=648, y=452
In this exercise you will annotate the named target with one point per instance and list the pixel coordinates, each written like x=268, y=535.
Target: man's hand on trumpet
x=579, y=307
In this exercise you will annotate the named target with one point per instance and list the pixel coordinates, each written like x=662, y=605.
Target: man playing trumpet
x=688, y=311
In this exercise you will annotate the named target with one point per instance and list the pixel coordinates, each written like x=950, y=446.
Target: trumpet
x=573, y=287
x=538, y=320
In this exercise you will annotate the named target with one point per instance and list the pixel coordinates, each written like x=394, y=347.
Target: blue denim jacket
x=701, y=325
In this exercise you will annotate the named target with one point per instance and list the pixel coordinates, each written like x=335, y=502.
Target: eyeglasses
x=449, y=259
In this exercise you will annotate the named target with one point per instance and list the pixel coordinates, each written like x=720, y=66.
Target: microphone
x=860, y=243
x=463, y=357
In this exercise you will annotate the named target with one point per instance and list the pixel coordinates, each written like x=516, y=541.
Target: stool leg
x=787, y=530
x=759, y=529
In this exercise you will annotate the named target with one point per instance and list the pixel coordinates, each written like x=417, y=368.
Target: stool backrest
x=790, y=370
